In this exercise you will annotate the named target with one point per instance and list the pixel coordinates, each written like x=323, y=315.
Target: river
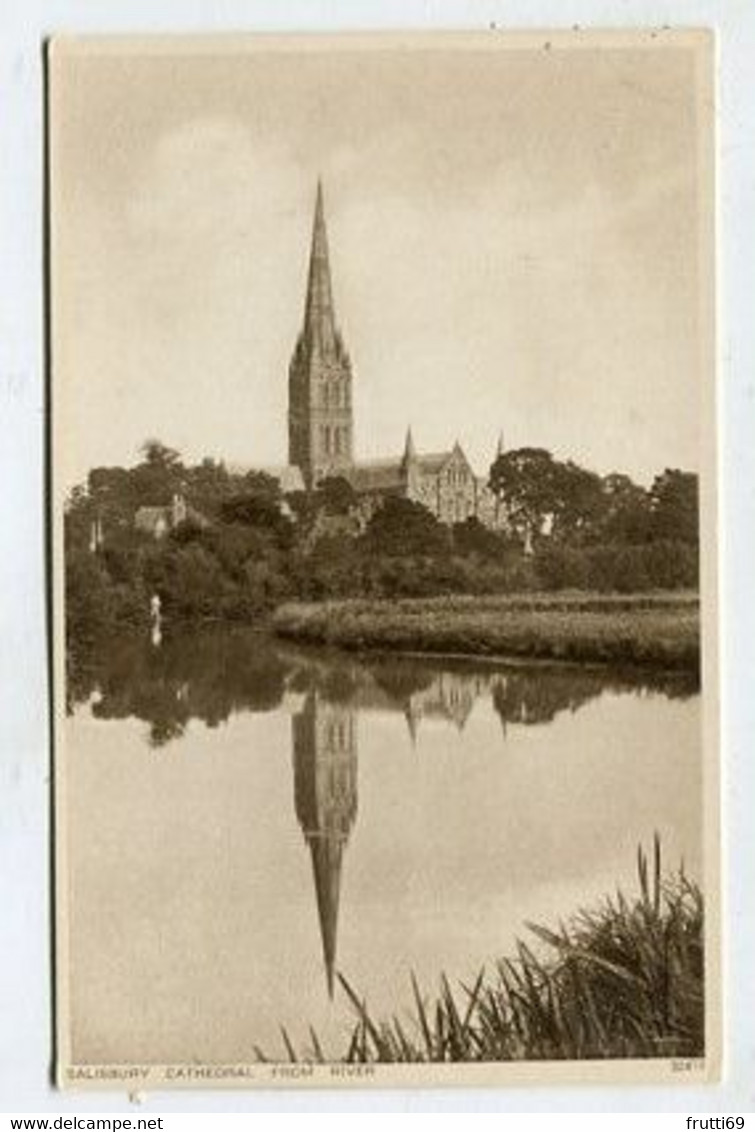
x=247, y=818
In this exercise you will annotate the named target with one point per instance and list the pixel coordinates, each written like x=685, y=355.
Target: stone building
x=159, y=521
x=321, y=424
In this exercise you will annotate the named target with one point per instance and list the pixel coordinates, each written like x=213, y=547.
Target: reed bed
x=622, y=981
x=647, y=629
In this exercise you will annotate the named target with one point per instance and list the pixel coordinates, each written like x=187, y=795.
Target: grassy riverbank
x=622, y=980
x=652, y=629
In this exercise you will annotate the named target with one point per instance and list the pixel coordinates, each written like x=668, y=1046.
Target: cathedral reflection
x=214, y=675
x=325, y=793
x=450, y=697
x=325, y=749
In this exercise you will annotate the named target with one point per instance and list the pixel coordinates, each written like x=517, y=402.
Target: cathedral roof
x=390, y=474
x=432, y=462
x=376, y=475
x=289, y=476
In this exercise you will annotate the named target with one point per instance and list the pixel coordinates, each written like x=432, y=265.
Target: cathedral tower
x=320, y=426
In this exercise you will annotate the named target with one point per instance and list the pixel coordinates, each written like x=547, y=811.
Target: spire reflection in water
x=438, y=741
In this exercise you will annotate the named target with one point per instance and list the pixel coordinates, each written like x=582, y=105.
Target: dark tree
x=207, y=486
x=262, y=484
x=626, y=516
x=251, y=510
x=335, y=495
x=402, y=528
x=526, y=480
x=158, y=477
x=674, y=506
x=159, y=455
x=473, y=537
x=578, y=503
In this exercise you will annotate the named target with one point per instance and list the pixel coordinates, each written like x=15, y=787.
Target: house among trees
x=160, y=521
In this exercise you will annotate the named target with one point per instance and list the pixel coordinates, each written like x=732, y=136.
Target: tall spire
x=320, y=416
x=319, y=321
x=500, y=448
x=409, y=449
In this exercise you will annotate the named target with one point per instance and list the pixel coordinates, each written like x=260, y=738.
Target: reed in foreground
x=622, y=981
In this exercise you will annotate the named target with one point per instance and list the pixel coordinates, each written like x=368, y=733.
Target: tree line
x=245, y=547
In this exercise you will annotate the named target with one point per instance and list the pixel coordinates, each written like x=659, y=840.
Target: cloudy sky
x=514, y=243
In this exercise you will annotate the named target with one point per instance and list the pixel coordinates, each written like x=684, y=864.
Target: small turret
x=500, y=449
x=410, y=469
x=179, y=510
x=410, y=454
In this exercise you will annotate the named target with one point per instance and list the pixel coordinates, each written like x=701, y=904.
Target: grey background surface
x=25, y=981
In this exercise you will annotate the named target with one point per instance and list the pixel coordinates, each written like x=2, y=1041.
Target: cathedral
x=321, y=420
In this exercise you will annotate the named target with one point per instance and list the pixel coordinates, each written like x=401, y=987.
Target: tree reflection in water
x=212, y=674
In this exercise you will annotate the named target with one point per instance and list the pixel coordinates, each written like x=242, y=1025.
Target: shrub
x=623, y=980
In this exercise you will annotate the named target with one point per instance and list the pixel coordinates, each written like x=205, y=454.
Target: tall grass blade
x=625, y=979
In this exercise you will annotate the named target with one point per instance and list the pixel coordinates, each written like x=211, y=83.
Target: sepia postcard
x=382, y=375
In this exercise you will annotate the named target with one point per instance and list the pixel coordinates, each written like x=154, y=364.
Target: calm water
x=248, y=817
